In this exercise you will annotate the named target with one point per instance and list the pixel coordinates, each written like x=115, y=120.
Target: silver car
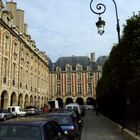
x=5, y=114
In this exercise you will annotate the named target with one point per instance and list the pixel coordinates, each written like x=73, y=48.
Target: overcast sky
x=67, y=27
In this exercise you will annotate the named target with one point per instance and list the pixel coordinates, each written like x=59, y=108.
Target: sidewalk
x=101, y=128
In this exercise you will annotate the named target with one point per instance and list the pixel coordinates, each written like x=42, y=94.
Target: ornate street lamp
x=101, y=8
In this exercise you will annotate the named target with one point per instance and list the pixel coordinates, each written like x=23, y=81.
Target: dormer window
x=68, y=68
x=58, y=69
x=78, y=68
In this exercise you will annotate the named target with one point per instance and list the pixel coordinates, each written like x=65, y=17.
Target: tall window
x=58, y=76
x=14, y=71
x=69, y=88
x=68, y=76
x=79, y=88
x=5, y=67
x=79, y=76
x=89, y=88
x=15, y=51
x=58, y=89
x=6, y=42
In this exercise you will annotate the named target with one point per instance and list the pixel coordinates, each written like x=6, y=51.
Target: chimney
x=12, y=7
x=20, y=20
x=92, y=57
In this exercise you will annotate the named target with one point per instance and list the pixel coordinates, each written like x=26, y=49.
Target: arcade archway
x=69, y=100
x=80, y=101
x=4, y=100
x=13, y=99
x=60, y=102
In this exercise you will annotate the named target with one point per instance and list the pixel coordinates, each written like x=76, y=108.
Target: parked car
x=67, y=123
x=76, y=116
x=32, y=110
x=16, y=110
x=5, y=114
x=73, y=106
x=89, y=107
x=32, y=129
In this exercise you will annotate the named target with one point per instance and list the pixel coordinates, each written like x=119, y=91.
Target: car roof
x=60, y=113
x=72, y=104
x=27, y=121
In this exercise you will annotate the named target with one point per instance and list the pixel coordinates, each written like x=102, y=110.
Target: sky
x=67, y=27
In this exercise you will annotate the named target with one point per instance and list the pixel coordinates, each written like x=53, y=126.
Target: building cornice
x=21, y=40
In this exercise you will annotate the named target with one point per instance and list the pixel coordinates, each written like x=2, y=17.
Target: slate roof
x=84, y=61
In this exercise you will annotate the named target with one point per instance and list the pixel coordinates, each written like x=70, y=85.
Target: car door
x=50, y=133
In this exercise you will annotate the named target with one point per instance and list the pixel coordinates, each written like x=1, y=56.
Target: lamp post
x=101, y=8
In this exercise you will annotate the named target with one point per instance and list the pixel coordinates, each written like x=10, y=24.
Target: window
x=68, y=76
x=58, y=89
x=58, y=76
x=79, y=88
x=78, y=68
x=5, y=67
x=6, y=42
x=68, y=69
x=69, y=88
x=58, y=69
x=79, y=76
x=14, y=71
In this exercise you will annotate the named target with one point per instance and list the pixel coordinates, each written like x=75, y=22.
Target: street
x=98, y=127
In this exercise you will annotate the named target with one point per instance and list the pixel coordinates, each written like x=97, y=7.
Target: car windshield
x=62, y=120
x=3, y=111
x=19, y=132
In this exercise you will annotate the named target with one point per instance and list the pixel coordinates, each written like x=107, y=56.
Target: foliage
x=123, y=63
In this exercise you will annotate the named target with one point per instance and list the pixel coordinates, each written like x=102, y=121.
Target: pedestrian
x=97, y=109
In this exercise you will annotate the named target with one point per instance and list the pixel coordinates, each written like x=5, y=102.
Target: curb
x=130, y=134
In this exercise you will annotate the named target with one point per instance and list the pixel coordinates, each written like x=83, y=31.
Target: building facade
x=24, y=73
x=74, y=79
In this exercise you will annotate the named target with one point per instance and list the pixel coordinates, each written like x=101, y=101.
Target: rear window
x=75, y=108
x=30, y=107
x=20, y=132
x=61, y=120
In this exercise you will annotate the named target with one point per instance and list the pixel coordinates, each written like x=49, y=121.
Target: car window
x=13, y=109
x=20, y=132
x=50, y=132
x=57, y=128
x=61, y=120
x=75, y=107
x=69, y=107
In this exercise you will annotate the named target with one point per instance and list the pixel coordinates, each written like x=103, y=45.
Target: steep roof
x=84, y=61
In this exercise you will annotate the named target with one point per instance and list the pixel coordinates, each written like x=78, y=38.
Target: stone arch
x=4, y=100
x=20, y=100
x=31, y=100
x=45, y=100
x=35, y=100
x=38, y=101
x=13, y=99
x=69, y=100
x=26, y=100
x=80, y=101
x=42, y=102
x=90, y=101
x=60, y=102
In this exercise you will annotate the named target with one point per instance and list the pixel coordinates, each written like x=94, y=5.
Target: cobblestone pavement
x=98, y=127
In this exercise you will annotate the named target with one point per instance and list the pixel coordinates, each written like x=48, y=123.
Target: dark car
x=5, y=114
x=31, y=130
x=67, y=123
